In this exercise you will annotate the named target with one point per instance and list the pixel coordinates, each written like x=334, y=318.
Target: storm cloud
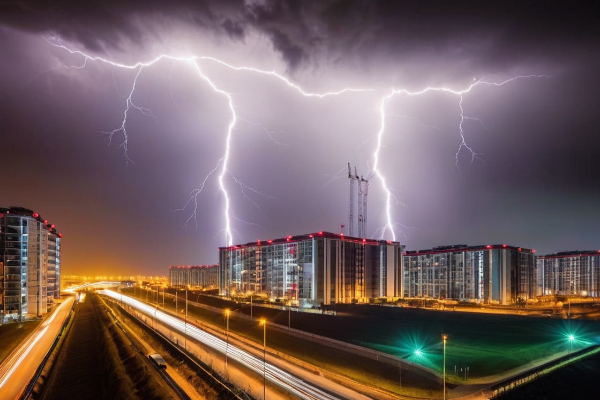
x=533, y=181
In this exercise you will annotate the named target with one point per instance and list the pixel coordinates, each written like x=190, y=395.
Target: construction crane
x=359, y=189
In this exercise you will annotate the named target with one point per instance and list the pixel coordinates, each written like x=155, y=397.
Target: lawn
x=486, y=343
x=13, y=334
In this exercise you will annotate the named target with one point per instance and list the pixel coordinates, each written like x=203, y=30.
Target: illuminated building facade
x=498, y=274
x=29, y=264
x=569, y=273
x=199, y=276
x=313, y=269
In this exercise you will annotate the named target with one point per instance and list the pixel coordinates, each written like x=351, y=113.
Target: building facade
x=573, y=273
x=29, y=264
x=497, y=274
x=313, y=269
x=197, y=276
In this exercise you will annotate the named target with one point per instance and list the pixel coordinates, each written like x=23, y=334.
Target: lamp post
x=227, y=346
x=444, y=338
x=185, y=324
x=263, y=322
x=400, y=369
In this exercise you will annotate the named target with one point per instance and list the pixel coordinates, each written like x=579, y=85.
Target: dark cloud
x=235, y=30
x=490, y=36
x=535, y=185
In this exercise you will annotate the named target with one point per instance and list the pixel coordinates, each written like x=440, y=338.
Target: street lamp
x=185, y=325
x=263, y=322
x=444, y=338
x=227, y=347
x=571, y=338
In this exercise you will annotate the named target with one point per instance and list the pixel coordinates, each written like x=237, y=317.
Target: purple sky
x=534, y=183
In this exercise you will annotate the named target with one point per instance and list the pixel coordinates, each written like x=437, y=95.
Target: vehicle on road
x=158, y=361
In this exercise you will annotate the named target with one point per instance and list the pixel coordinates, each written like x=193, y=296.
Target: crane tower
x=359, y=189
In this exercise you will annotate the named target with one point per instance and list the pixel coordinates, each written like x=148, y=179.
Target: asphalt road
x=20, y=366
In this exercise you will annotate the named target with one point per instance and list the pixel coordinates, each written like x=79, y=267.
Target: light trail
x=275, y=375
x=19, y=367
x=17, y=358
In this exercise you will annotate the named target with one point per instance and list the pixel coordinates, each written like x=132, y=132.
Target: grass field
x=12, y=334
x=486, y=343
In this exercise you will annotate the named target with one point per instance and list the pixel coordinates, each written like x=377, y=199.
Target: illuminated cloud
x=534, y=137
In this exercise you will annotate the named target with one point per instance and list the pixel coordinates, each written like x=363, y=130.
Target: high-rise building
x=569, y=273
x=29, y=264
x=200, y=276
x=313, y=269
x=497, y=274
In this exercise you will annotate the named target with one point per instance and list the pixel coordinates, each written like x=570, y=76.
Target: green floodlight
x=418, y=353
x=571, y=337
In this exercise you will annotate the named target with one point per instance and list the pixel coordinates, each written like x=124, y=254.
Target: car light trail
x=288, y=382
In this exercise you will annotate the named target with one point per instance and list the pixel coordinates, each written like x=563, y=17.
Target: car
x=158, y=361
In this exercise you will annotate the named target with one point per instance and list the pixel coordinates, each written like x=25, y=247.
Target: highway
x=273, y=374
x=20, y=366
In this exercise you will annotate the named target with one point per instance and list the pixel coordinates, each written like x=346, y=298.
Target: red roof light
x=35, y=215
x=321, y=233
x=269, y=241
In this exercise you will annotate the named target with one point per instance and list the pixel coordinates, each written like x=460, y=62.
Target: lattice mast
x=357, y=215
x=363, y=191
x=353, y=186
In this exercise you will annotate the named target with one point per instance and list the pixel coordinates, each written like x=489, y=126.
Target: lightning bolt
x=222, y=165
x=462, y=145
x=224, y=161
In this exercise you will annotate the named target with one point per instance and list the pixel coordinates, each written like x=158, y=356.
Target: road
x=300, y=388
x=20, y=366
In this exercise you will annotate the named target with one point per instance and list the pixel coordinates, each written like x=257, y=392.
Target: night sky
x=125, y=204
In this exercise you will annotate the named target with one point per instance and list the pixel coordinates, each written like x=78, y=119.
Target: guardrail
x=528, y=376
